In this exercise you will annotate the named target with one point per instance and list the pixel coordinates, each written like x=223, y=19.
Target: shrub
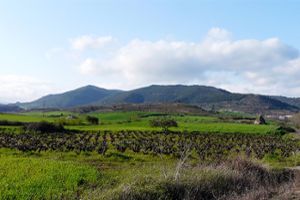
x=92, y=120
x=10, y=123
x=164, y=123
x=71, y=122
x=44, y=127
x=282, y=130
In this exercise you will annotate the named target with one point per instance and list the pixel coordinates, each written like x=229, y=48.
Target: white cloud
x=218, y=34
x=262, y=66
x=22, y=88
x=90, y=42
x=290, y=68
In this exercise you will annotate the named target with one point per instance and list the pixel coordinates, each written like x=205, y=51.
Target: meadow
x=117, y=121
x=124, y=157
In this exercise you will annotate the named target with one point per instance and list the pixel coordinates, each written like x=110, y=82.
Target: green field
x=116, y=121
x=25, y=177
x=202, y=127
x=56, y=175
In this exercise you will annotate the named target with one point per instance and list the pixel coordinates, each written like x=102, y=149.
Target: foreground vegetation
x=36, y=178
x=67, y=175
x=132, y=155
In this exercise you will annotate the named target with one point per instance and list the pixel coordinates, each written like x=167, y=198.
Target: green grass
x=24, y=118
x=118, y=116
x=202, y=127
x=25, y=177
x=48, y=114
x=229, y=128
x=37, y=116
x=280, y=162
x=116, y=121
x=64, y=175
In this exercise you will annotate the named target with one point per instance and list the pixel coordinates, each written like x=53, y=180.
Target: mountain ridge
x=204, y=96
x=77, y=97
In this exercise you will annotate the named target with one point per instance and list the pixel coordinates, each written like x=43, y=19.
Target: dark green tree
x=92, y=120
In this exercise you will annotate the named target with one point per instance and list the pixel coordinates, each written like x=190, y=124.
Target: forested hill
x=204, y=96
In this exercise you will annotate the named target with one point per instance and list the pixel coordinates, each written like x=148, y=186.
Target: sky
x=51, y=46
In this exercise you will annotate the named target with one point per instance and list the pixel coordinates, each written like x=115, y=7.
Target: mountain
x=79, y=97
x=207, y=97
x=291, y=101
x=9, y=108
x=256, y=104
x=173, y=94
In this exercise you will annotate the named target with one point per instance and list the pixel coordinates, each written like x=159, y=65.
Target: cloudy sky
x=243, y=46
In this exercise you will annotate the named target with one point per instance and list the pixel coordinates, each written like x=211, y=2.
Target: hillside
x=79, y=97
x=255, y=104
x=291, y=101
x=9, y=108
x=207, y=97
x=173, y=94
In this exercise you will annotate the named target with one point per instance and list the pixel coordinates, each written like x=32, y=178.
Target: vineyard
x=205, y=146
x=140, y=155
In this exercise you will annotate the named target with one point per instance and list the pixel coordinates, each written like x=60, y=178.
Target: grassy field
x=202, y=127
x=29, y=177
x=58, y=175
x=116, y=121
x=61, y=175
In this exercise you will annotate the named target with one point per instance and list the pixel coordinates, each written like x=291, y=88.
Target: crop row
x=206, y=146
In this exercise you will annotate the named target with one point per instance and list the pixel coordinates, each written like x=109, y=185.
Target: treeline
x=11, y=123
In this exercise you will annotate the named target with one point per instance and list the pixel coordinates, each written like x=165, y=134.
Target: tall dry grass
x=236, y=179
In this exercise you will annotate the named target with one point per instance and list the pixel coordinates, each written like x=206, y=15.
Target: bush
x=10, y=123
x=164, y=123
x=282, y=130
x=44, y=127
x=92, y=120
x=70, y=122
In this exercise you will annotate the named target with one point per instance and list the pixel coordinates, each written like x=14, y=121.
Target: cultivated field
x=123, y=156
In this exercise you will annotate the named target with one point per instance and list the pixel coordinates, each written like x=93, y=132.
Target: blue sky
x=53, y=46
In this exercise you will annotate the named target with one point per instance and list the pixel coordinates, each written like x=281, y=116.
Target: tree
x=44, y=127
x=92, y=120
x=164, y=123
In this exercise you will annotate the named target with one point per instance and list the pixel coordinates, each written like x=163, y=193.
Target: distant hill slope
x=9, y=108
x=79, y=97
x=207, y=97
x=173, y=94
x=204, y=96
x=161, y=107
x=256, y=104
x=291, y=101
